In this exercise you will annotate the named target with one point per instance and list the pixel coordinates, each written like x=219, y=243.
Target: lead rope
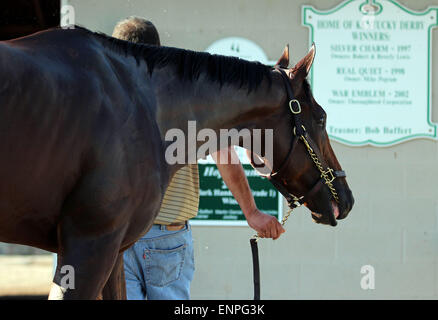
x=255, y=255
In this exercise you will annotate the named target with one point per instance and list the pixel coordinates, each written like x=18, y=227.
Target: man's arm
x=234, y=177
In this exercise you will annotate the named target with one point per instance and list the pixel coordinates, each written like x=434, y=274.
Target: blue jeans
x=160, y=265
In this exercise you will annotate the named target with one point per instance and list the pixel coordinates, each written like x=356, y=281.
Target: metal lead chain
x=324, y=174
x=256, y=237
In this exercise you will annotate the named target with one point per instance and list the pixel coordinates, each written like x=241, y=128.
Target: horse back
x=64, y=115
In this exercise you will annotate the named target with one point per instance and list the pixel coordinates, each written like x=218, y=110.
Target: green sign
x=217, y=205
x=372, y=71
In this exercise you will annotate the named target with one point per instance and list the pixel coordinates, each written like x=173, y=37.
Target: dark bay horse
x=83, y=119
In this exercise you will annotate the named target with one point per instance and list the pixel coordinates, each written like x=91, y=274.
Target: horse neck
x=210, y=106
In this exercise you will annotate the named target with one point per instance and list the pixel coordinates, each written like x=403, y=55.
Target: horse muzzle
x=333, y=210
x=345, y=204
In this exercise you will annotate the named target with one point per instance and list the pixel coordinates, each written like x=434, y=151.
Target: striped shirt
x=181, y=200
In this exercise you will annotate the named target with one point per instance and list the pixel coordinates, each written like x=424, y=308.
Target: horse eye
x=321, y=122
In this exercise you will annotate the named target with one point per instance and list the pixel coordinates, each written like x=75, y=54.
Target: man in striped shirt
x=160, y=265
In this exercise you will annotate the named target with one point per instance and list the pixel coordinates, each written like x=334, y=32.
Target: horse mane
x=188, y=64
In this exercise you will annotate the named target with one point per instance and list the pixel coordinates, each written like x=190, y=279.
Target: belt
x=174, y=226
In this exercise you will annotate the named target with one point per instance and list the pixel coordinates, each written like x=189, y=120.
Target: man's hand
x=234, y=177
x=266, y=226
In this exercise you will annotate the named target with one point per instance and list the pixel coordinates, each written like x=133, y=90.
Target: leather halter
x=299, y=132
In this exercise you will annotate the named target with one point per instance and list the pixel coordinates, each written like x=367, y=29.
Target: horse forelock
x=188, y=64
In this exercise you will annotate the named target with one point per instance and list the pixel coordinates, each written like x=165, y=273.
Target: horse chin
x=328, y=219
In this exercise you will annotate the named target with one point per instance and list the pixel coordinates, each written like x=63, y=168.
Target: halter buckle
x=297, y=201
x=329, y=176
x=291, y=107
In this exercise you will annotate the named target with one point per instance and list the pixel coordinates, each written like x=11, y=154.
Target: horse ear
x=306, y=63
x=283, y=62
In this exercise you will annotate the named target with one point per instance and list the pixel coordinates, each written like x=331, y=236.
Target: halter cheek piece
x=327, y=176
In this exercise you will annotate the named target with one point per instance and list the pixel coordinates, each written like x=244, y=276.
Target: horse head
x=304, y=167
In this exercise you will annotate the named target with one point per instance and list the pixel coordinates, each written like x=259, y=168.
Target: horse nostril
x=347, y=205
